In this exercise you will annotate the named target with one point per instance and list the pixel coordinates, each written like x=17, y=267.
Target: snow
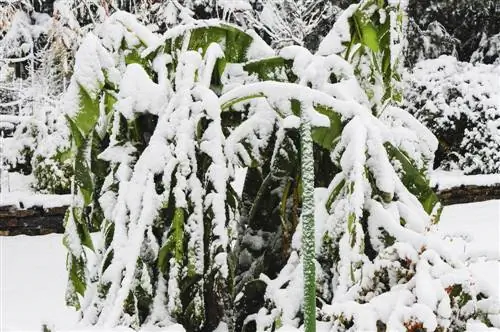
x=25, y=200
x=473, y=231
x=443, y=180
x=20, y=194
x=90, y=60
x=32, y=286
x=34, y=277
x=139, y=94
x=20, y=182
x=334, y=40
x=33, y=274
x=143, y=33
x=235, y=4
x=258, y=49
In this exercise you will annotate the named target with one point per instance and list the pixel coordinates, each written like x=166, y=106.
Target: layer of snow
x=20, y=182
x=32, y=286
x=473, y=231
x=20, y=193
x=24, y=200
x=33, y=276
x=33, y=280
x=449, y=179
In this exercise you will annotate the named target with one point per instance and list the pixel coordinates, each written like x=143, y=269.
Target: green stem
x=308, y=245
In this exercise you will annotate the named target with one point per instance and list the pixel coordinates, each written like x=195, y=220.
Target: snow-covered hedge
x=159, y=125
x=460, y=103
x=430, y=43
x=488, y=51
x=40, y=145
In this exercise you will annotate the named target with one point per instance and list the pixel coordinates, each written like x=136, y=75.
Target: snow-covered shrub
x=40, y=146
x=158, y=126
x=459, y=102
x=488, y=51
x=40, y=48
x=464, y=20
x=428, y=44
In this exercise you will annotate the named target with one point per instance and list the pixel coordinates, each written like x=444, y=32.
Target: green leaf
x=272, y=69
x=178, y=225
x=76, y=134
x=174, y=246
x=83, y=176
x=77, y=274
x=370, y=37
x=366, y=31
x=233, y=41
x=86, y=118
x=226, y=106
x=333, y=195
x=414, y=180
x=82, y=228
x=351, y=219
x=328, y=137
x=109, y=101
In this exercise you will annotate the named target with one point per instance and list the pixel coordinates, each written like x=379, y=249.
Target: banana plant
x=335, y=206
x=179, y=224
x=369, y=35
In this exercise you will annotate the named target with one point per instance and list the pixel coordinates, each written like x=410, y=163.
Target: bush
x=458, y=101
x=488, y=51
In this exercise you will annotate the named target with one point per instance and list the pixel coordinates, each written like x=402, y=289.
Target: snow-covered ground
x=474, y=231
x=33, y=280
x=33, y=276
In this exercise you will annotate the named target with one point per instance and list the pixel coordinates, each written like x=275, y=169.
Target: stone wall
x=469, y=194
x=32, y=221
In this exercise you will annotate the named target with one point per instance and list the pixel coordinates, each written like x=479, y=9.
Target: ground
x=33, y=275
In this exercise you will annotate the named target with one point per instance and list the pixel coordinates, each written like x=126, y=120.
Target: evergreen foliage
x=458, y=102
x=460, y=24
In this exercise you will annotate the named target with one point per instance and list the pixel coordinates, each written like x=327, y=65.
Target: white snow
x=473, y=231
x=340, y=34
x=21, y=194
x=90, y=60
x=450, y=179
x=23, y=199
x=33, y=275
x=139, y=94
x=32, y=286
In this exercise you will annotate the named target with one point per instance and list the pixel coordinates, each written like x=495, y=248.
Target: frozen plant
x=151, y=173
x=336, y=183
